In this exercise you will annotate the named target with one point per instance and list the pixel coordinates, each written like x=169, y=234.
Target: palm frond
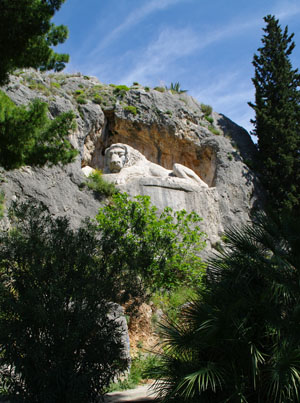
x=208, y=377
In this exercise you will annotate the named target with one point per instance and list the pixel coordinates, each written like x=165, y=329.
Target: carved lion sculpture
x=123, y=162
x=126, y=161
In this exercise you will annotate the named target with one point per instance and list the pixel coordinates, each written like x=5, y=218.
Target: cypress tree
x=277, y=117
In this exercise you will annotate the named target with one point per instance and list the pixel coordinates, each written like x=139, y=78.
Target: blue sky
x=206, y=46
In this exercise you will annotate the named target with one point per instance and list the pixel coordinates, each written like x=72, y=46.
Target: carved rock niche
x=156, y=146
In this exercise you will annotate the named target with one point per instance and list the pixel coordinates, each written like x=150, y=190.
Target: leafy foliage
x=146, y=252
x=277, y=117
x=213, y=130
x=239, y=341
x=29, y=137
x=81, y=100
x=206, y=109
x=99, y=185
x=159, y=89
x=210, y=119
x=120, y=90
x=97, y=99
x=131, y=109
x=27, y=36
x=57, y=340
x=140, y=365
x=171, y=302
x=58, y=343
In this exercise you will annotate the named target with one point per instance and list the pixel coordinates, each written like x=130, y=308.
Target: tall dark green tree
x=277, y=116
x=27, y=35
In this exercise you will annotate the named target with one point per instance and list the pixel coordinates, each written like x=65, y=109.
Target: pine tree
x=27, y=36
x=29, y=137
x=277, y=117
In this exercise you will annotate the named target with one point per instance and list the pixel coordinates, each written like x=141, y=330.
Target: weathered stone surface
x=57, y=188
x=166, y=128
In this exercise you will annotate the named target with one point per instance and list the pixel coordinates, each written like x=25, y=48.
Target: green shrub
x=170, y=113
x=57, y=341
x=230, y=157
x=214, y=130
x=97, y=99
x=171, y=302
x=55, y=84
x=140, y=366
x=97, y=87
x=206, y=109
x=81, y=100
x=131, y=109
x=36, y=86
x=86, y=77
x=209, y=119
x=79, y=92
x=120, y=90
x=147, y=89
x=160, y=89
x=135, y=83
x=99, y=185
x=160, y=250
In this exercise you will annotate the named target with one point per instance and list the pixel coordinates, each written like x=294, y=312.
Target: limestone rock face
x=166, y=128
x=57, y=188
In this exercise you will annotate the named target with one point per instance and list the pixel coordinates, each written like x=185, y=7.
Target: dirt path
x=140, y=394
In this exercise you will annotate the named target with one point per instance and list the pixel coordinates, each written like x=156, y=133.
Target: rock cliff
x=165, y=127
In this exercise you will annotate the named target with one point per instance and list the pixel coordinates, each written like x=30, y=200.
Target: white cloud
x=229, y=94
x=286, y=9
x=171, y=45
x=134, y=18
